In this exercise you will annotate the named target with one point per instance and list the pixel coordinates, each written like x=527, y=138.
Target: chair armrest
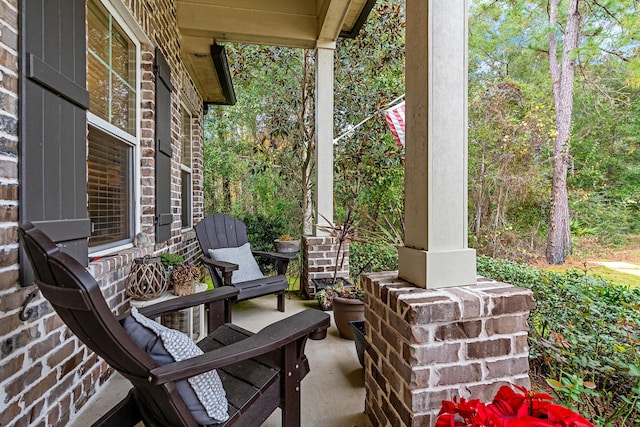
x=226, y=269
x=276, y=255
x=221, y=265
x=188, y=301
x=309, y=323
x=281, y=259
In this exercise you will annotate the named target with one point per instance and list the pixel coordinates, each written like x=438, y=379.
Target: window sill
x=124, y=258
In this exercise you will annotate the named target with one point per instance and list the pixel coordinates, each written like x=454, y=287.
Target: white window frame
x=135, y=35
x=185, y=168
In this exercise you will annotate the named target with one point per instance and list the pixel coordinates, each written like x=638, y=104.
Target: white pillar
x=324, y=135
x=436, y=253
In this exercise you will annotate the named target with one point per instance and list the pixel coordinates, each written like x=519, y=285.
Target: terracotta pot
x=347, y=310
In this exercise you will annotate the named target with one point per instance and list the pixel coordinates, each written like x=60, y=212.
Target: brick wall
x=46, y=374
x=319, y=260
x=428, y=345
x=16, y=362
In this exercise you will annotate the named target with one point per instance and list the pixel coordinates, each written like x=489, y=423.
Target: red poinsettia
x=509, y=409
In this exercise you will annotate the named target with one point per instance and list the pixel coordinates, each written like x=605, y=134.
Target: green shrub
x=583, y=338
x=169, y=259
x=367, y=257
x=263, y=230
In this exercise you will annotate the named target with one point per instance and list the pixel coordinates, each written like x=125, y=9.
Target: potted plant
x=347, y=303
x=184, y=278
x=348, y=306
x=287, y=244
x=344, y=233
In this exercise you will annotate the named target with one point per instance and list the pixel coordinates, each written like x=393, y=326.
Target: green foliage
x=369, y=172
x=584, y=338
x=511, y=124
x=263, y=230
x=170, y=260
x=367, y=257
x=253, y=149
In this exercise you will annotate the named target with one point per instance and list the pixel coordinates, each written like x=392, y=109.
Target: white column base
x=432, y=269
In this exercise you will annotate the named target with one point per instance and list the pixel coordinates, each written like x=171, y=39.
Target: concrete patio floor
x=332, y=393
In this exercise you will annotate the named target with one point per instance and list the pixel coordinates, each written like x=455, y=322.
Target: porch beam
x=324, y=136
x=254, y=23
x=436, y=252
x=332, y=18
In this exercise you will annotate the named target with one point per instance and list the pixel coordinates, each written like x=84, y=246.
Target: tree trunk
x=559, y=234
x=479, y=194
x=226, y=191
x=309, y=146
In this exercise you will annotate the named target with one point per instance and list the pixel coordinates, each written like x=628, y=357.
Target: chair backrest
x=76, y=297
x=220, y=231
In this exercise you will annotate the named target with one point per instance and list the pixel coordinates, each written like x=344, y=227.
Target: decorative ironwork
x=26, y=313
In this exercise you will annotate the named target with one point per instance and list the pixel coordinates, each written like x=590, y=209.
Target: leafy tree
x=257, y=145
x=369, y=75
x=511, y=40
x=271, y=129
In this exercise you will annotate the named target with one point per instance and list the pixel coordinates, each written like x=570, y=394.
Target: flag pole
x=390, y=104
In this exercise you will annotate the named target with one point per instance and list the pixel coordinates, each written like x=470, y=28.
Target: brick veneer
x=424, y=346
x=319, y=260
x=46, y=374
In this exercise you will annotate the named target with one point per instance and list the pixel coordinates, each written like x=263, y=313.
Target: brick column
x=319, y=260
x=424, y=346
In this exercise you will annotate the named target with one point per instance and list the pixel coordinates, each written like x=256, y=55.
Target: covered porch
x=409, y=314
x=430, y=312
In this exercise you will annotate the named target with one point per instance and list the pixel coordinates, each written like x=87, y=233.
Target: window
x=111, y=80
x=109, y=187
x=185, y=165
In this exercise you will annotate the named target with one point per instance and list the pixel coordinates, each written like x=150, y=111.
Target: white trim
x=129, y=25
x=184, y=109
x=111, y=250
x=324, y=44
x=123, y=15
x=110, y=128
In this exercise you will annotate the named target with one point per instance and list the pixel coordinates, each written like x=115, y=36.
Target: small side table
x=168, y=295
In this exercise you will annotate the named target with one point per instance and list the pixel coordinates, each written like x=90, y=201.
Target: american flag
x=395, y=120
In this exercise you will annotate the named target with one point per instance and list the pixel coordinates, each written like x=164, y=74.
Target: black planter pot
x=358, y=329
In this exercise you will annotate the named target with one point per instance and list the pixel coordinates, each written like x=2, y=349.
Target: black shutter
x=164, y=216
x=53, y=123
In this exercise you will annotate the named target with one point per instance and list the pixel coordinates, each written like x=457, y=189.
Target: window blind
x=109, y=162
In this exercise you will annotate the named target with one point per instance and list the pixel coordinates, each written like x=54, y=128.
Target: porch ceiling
x=291, y=23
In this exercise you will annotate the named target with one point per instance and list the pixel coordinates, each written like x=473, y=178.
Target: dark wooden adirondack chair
x=259, y=372
x=227, y=236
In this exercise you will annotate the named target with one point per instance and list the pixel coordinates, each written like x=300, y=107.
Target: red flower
x=509, y=409
x=446, y=420
x=466, y=409
x=566, y=417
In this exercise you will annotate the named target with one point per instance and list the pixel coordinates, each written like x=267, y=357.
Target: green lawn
x=625, y=279
x=617, y=277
